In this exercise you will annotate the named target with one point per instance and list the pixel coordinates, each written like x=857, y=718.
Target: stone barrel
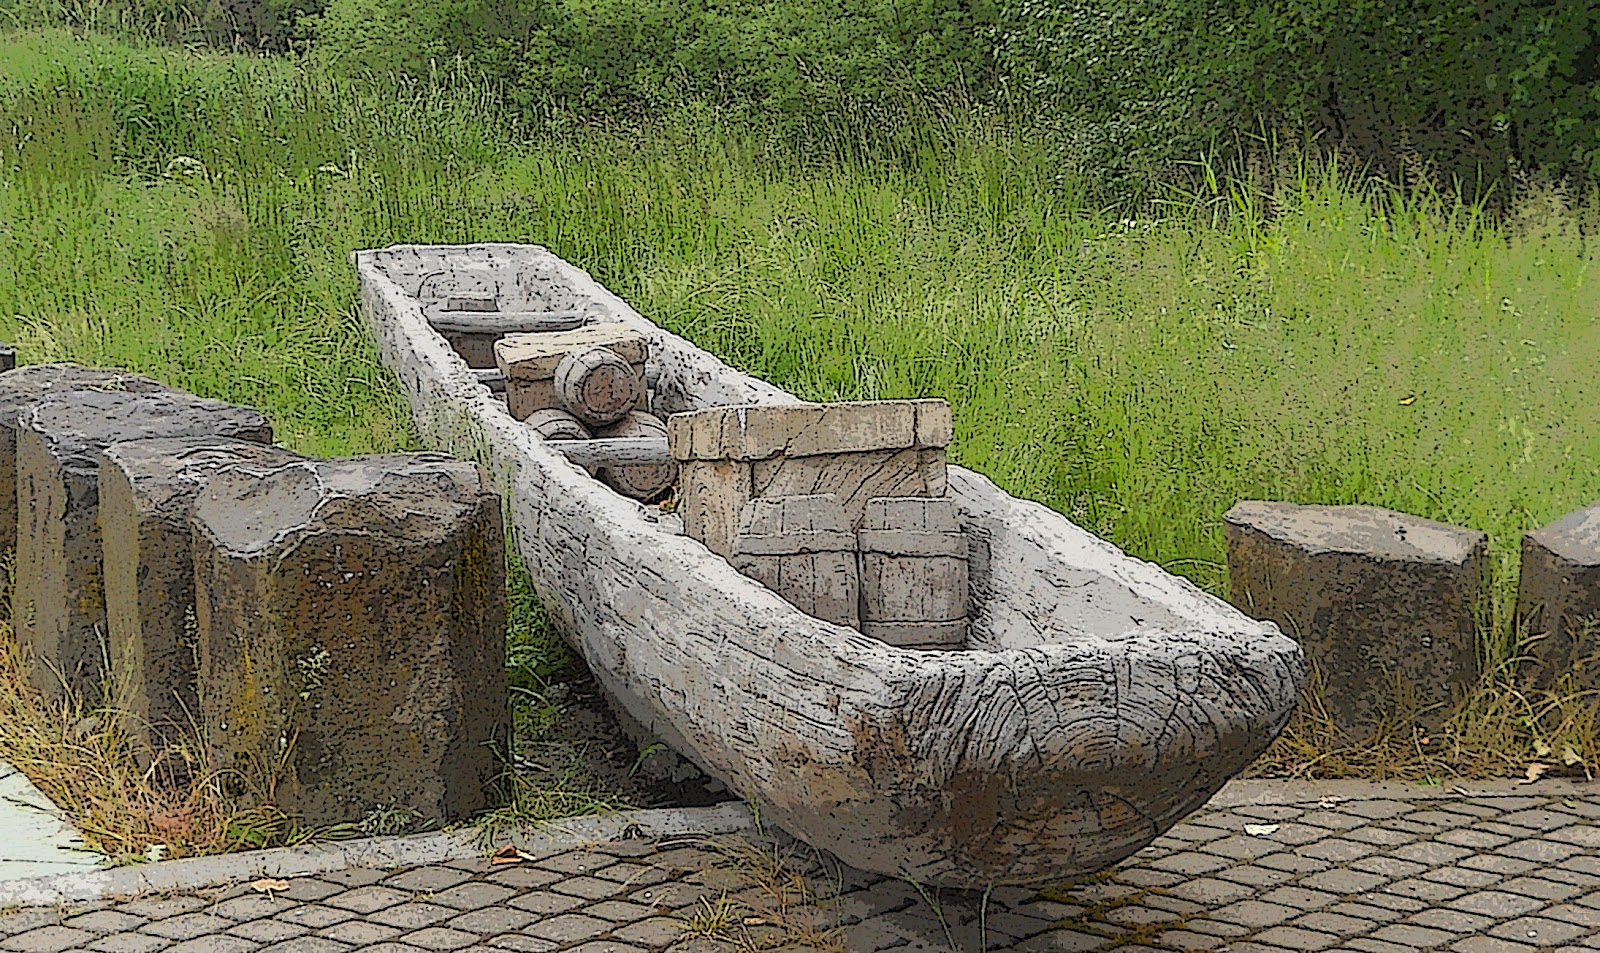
x=641, y=481
x=1558, y=600
x=914, y=590
x=598, y=387
x=147, y=488
x=352, y=629
x=1384, y=604
x=20, y=389
x=801, y=548
x=60, y=595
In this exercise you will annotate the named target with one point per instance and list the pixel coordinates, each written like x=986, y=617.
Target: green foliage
x=1475, y=87
x=627, y=56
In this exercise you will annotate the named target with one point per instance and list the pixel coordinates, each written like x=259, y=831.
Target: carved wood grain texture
x=1107, y=700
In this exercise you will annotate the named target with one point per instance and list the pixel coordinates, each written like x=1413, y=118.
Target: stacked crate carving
x=880, y=466
x=473, y=309
x=599, y=362
x=914, y=590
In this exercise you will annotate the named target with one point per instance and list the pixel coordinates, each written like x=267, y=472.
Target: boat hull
x=1104, y=700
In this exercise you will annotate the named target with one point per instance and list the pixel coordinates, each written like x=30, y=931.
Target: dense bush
x=254, y=24
x=1475, y=87
x=623, y=55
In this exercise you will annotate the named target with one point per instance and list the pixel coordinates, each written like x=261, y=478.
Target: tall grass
x=1306, y=335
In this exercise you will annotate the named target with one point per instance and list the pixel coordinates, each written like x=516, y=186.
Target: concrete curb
x=411, y=850
x=1285, y=793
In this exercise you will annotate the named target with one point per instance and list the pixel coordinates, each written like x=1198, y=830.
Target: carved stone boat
x=1100, y=700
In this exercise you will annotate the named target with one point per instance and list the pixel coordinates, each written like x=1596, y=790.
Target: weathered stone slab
x=1558, y=599
x=19, y=389
x=759, y=432
x=530, y=362
x=60, y=595
x=147, y=488
x=352, y=632
x=914, y=588
x=1383, y=603
x=801, y=548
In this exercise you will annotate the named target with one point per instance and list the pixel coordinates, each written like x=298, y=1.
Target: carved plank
x=617, y=452
x=472, y=321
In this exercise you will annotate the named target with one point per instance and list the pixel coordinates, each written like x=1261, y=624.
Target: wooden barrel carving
x=639, y=481
x=555, y=424
x=913, y=573
x=801, y=548
x=598, y=387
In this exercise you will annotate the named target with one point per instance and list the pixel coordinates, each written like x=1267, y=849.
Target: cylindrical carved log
x=801, y=548
x=913, y=573
x=598, y=387
x=555, y=424
x=640, y=481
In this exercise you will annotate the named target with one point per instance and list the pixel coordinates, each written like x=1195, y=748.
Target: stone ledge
x=378, y=853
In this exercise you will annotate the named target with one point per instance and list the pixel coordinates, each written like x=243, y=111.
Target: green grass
x=190, y=217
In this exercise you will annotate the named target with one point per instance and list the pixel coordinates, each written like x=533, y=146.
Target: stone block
x=147, y=488
x=1558, y=599
x=21, y=388
x=1383, y=603
x=60, y=595
x=530, y=362
x=801, y=548
x=759, y=432
x=352, y=627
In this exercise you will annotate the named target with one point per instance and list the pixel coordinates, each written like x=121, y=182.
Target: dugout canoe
x=1101, y=700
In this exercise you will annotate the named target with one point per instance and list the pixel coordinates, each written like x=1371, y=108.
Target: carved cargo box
x=856, y=451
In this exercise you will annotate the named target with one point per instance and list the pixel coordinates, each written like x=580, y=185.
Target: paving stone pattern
x=1498, y=873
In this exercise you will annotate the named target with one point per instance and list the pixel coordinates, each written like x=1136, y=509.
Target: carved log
x=1102, y=698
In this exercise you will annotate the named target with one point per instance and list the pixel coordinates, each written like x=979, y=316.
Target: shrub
x=1476, y=88
x=623, y=56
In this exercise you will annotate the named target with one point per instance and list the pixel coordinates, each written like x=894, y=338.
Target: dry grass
x=1506, y=724
x=131, y=805
x=777, y=906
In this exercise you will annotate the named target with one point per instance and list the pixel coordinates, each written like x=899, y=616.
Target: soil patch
x=577, y=740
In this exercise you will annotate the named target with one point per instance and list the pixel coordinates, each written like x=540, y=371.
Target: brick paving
x=1376, y=869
